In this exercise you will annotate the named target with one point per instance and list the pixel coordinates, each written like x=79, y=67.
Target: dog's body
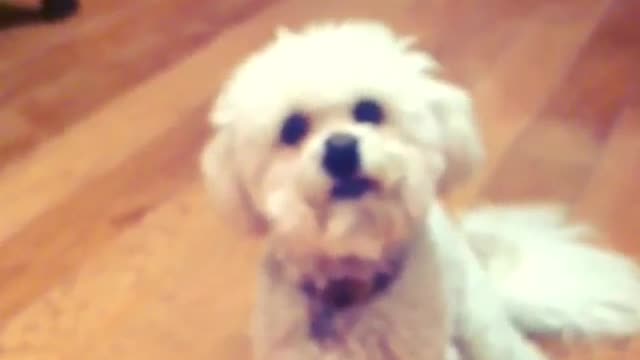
x=406, y=323
x=339, y=166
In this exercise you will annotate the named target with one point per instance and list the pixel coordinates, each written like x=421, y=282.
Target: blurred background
x=108, y=245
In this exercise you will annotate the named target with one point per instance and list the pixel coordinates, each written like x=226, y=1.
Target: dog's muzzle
x=342, y=162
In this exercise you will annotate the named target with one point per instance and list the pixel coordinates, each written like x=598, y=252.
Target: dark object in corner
x=58, y=9
x=15, y=15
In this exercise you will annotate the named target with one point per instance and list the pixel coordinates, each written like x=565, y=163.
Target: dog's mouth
x=338, y=295
x=342, y=293
x=350, y=281
x=353, y=188
x=339, y=292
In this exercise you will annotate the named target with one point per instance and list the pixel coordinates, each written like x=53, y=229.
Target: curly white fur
x=549, y=275
x=469, y=290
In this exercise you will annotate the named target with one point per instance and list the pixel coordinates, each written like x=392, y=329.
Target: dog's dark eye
x=368, y=111
x=294, y=129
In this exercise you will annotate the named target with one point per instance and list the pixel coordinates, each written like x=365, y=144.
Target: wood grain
x=87, y=63
x=108, y=245
x=511, y=93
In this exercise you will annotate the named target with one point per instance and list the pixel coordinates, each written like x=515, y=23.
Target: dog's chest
x=375, y=333
x=408, y=323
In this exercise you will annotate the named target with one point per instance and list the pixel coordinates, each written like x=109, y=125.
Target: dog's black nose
x=341, y=157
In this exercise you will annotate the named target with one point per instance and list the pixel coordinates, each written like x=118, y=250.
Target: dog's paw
x=452, y=353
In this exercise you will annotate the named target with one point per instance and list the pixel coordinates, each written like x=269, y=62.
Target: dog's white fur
x=469, y=290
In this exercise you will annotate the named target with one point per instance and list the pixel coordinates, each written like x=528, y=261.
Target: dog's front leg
x=485, y=333
x=452, y=353
x=482, y=329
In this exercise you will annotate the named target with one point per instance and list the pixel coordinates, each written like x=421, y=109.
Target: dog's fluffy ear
x=462, y=144
x=219, y=165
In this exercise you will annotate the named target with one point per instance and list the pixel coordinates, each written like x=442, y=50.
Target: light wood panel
x=108, y=246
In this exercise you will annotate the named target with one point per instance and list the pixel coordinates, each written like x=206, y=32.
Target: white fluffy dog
x=334, y=144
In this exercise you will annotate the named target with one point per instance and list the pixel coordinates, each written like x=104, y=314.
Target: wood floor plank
x=99, y=27
x=157, y=290
x=26, y=43
x=575, y=123
x=512, y=91
x=88, y=65
x=111, y=134
x=610, y=200
x=61, y=239
x=474, y=35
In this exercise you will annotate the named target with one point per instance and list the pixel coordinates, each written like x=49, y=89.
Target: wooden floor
x=108, y=247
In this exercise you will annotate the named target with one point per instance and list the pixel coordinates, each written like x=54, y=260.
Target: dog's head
x=333, y=141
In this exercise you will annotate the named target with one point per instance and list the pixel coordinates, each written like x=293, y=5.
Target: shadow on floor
x=52, y=10
x=14, y=16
